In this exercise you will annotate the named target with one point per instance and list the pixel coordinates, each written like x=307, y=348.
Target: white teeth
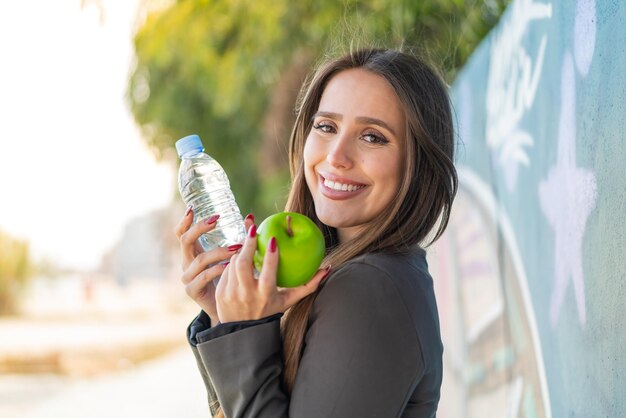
x=341, y=187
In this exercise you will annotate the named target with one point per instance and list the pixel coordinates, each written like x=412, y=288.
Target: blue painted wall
x=530, y=275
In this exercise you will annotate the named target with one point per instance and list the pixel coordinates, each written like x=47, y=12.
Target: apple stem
x=289, y=230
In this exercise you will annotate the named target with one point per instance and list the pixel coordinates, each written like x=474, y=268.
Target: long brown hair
x=426, y=190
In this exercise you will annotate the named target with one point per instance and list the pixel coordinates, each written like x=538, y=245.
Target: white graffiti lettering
x=511, y=87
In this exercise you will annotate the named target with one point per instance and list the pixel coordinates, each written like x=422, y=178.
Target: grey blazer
x=372, y=349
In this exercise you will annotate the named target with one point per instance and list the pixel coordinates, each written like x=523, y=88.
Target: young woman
x=371, y=157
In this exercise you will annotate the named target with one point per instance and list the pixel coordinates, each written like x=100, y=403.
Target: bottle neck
x=192, y=153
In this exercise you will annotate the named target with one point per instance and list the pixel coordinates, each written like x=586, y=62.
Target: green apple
x=300, y=247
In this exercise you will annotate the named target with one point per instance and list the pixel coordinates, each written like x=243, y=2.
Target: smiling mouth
x=341, y=187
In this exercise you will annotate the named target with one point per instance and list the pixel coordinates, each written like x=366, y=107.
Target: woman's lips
x=334, y=194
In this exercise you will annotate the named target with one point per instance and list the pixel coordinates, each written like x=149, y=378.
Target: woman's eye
x=374, y=138
x=324, y=127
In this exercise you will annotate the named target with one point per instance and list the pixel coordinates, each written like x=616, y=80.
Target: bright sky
x=73, y=168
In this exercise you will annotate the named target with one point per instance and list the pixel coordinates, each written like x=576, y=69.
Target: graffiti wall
x=530, y=274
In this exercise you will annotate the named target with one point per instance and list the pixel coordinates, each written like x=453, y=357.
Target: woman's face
x=353, y=154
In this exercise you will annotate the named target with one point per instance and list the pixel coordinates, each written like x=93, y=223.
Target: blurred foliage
x=15, y=270
x=229, y=70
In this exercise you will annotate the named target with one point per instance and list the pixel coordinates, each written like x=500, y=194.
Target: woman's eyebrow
x=361, y=119
x=331, y=115
x=373, y=121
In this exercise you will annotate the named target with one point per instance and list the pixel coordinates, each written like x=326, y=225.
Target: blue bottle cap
x=190, y=143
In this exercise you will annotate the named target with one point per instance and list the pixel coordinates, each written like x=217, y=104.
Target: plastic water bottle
x=203, y=184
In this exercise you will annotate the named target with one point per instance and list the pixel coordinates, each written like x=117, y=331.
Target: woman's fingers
x=189, y=238
x=267, y=278
x=248, y=221
x=185, y=222
x=239, y=296
x=206, y=259
x=244, y=264
x=197, y=287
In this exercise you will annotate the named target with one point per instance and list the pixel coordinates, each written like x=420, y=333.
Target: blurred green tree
x=230, y=70
x=15, y=270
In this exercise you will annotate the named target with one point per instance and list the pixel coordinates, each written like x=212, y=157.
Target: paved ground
x=114, y=353
x=88, y=346
x=168, y=387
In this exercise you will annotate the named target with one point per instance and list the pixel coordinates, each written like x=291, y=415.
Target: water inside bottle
x=205, y=186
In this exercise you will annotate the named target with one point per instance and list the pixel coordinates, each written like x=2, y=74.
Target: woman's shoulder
x=380, y=278
x=410, y=262
x=403, y=269
x=381, y=290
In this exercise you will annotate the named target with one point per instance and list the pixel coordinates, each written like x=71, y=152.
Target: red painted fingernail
x=189, y=209
x=250, y=217
x=272, y=245
x=212, y=219
x=234, y=247
x=327, y=272
x=252, y=231
x=226, y=263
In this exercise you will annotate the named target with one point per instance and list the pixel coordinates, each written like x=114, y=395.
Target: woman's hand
x=201, y=268
x=240, y=296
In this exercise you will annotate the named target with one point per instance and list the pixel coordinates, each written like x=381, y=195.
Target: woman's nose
x=340, y=153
